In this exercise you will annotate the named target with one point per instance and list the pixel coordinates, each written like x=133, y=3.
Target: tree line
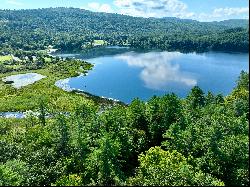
x=76, y=29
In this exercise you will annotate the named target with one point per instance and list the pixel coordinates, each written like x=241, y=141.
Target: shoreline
x=98, y=99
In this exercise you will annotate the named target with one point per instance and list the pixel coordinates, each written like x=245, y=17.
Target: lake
x=125, y=74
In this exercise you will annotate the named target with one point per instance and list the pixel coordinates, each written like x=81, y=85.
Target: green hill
x=76, y=29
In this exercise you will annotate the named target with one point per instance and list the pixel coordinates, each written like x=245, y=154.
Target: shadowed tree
x=196, y=97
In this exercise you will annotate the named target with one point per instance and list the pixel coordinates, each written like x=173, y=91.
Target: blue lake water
x=129, y=74
x=17, y=115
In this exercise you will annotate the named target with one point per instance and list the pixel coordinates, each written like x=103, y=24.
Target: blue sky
x=203, y=10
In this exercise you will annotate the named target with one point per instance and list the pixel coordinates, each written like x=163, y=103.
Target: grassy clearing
x=27, y=98
x=47, y=59
x=98, y=42
x=42, y=51
x=5, y=58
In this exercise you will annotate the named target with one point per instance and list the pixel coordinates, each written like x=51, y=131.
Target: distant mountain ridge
x=73, y=28
x=234, y=23
x=231, y=22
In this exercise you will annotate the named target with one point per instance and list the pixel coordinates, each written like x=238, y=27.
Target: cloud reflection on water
x=158, y=71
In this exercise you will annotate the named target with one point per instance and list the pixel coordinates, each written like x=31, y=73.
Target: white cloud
x=153, y=8
x=94, y=6
x=230, y=11
x=157, y=70
x=165, y=8
x=14, y=2
x=224, y=13
x=175, y=8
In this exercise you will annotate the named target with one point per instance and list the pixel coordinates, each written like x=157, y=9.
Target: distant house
x=52, y=50
x=34, y=58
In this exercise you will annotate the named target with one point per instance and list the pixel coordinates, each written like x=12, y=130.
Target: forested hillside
x=77, y=29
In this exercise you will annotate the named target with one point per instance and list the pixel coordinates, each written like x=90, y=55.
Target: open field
x=98, y=42
x=27, y=98
x=5, y=58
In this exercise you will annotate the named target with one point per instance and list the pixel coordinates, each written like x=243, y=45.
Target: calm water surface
x=129, y=74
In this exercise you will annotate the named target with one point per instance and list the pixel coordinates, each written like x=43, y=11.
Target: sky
x=201, y=10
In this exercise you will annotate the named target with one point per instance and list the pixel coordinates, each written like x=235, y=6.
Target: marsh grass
x=27, y=98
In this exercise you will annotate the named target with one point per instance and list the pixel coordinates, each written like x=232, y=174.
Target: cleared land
x=98, y=42
x=5, y=58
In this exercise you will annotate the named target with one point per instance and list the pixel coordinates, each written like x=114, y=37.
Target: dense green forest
x=75, y=139
x=76, y=29
x=200, y=140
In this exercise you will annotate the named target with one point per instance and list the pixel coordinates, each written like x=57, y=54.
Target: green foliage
x=37, y=29
x=136, y=112
x=204, y=140
x=196, y=97
x=102, y=164
x=238, y=100
x=34, y=96
x=5, y=58
x=71, y=180
x=8, y=151
x=218, y=140
x=14, y=173
x=42, y=111
x=63, y=142
x=164, y=168
x=243, y=81
x=161, y=113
